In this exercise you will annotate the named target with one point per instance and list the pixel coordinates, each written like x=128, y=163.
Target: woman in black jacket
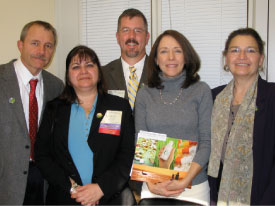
x=242, y=160
x=85, y=144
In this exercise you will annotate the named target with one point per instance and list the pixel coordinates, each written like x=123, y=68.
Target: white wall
x=14, y=14
x=262, y=18
x=258, y=15
x=67, y=25
x=64, y=15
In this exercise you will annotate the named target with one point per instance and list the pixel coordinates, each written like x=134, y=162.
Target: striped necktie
x=132, y=86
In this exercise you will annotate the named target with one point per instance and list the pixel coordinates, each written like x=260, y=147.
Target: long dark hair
x=83, y=52
x=191, y=59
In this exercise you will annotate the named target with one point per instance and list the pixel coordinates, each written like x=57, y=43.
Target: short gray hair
x=44, y=24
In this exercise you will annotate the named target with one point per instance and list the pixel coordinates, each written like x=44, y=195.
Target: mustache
x=41, y=57
x=131, y=41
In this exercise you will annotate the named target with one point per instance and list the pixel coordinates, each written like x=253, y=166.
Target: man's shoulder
x=111, y=64
x=7, y=70
x=49, y=76
x=7, y=65
x=53, y=84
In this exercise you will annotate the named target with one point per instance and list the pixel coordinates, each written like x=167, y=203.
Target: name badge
x=119, y=93
x=111, y=123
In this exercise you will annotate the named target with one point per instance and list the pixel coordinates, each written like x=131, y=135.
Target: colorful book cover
x=159, y=158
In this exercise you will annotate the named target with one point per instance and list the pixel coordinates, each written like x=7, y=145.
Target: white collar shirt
x=24, y=76
x=139, y=69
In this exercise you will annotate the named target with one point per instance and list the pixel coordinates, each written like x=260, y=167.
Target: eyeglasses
x=126, y=30
x=250, y=51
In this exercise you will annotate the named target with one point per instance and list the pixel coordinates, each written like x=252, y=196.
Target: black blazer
x=113, y=155
x=263, y=182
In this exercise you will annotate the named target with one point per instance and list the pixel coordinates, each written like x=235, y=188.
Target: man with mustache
x=25, y=89
x=132, y=36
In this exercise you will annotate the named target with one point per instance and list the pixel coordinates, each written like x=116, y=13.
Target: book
x=159, y=158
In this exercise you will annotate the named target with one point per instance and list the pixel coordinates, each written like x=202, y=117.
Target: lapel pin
x=99, y=115
x=11, y=100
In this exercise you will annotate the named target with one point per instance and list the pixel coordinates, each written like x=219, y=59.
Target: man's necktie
x=132, y=86
x=33, y=115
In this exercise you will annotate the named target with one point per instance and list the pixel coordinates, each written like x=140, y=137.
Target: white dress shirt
x=139, y=68
x=24, y=76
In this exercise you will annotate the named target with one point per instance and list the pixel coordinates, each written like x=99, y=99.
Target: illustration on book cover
x=159, y=158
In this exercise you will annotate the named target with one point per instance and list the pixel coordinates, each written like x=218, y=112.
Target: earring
x=226, y=68
x=260, y=68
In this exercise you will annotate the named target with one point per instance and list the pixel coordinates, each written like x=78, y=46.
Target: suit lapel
x=100, y=109
x=10, y=81
x=51, y=89
x=143, y=79
x=117, y=73
x=47, y=89
x=46, y=92
x=64, y=114
x=260, y=110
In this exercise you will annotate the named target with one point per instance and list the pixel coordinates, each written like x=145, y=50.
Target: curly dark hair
x=191, y=59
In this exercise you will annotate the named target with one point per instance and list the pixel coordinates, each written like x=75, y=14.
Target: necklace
x=169, y=103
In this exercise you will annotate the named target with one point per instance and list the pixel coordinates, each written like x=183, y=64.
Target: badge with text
x=119, y=93
x=111, y=122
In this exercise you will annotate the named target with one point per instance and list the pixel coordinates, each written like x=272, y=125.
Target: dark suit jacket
x=114, y=76
x=14, y=138
x=113, y=155
x=263, y=182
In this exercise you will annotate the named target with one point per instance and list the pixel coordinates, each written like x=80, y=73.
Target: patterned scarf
x=236, y=180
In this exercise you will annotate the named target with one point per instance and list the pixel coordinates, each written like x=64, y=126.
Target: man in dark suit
x=132, y=36
x=20, y=179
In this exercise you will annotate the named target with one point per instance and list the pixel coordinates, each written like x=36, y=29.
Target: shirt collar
x=139, y=65
x=76, y=104
x=24, y=73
